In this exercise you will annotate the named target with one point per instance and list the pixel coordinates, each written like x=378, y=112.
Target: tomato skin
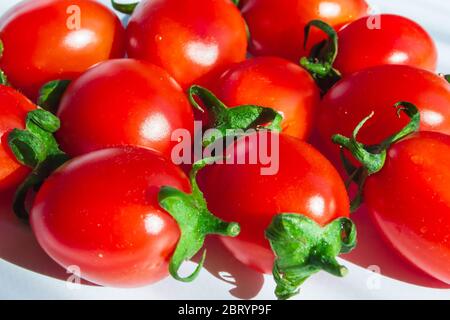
x=378, y=89
x=122, y=102
x=100, y=212
x=277, y=27
x=191, y=39
x=275, y=83
x=306, y=183
x=40, y=47
x=398, y=41
x=409, y=200
x=13, y=113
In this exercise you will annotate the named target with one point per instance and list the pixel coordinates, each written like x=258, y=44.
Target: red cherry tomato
x=191, y=39
x=378, y=89
x=410, y=201
x=122, y=102
x=397, y=41
x=277, y=27
x=275, y=83
x=305, y=183
x=57, y=39
x=100, y=212
x=13, y=112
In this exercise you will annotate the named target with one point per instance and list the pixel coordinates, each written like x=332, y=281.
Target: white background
x=27, y=273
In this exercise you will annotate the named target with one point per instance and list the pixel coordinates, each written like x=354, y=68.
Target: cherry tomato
x=57, y=39
x=100, y=212
x=378, y=89
x=277, y=27
x=275, y=83
x=305, y=183
x=13, y=112
x=398, y=40
x=191, y=39
x=409, y=200
x=119, y=102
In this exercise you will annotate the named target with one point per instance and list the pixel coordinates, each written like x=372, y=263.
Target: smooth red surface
x=275, y=83
x=100, y=212
x=306, y=183
x=123, y=102
x=410, y=201
x=191, y=39
x=277, y=27
x=378, y=89
x=13, y=112
x=399, y=40
x=40, y=46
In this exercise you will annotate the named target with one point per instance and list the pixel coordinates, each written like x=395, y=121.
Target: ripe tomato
x=119, y=102
x=274, y=83
x=277, y=27
x=409, y=200
x=306, y=183
x=191, y=39
x=100, y=212
x=397, y=41
x=13, y=112
x=57, y=39
x=378, y=89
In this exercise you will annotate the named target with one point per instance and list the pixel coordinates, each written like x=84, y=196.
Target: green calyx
x=322, y=56
x=303, y=248
x=194, y=220
x=447, y=77
x=51, y=93
x=126, y=8
x=373, y=158
x=3, y=78
x=36, y=148
x=233, y=121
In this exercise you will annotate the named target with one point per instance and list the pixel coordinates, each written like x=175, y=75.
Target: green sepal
x=51, y=93
x=3, y=77
x=233, y=121
x=36, y=148
x=303, y=248
x=236, y=2
x=194, y=220
x=126, y=8
x=447, y=77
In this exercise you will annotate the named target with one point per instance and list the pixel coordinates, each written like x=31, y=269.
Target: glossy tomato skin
x=275, y=83
x=378, y=89
x=123, y=102
x=306, y=183
x=409, y=200
x=44, y=42
x=191, y=39
x=277, y=27
x=100, y=212
x=13, y=113
x=398, y=40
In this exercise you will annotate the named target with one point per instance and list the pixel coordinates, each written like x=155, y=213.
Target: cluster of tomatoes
x=87, y=134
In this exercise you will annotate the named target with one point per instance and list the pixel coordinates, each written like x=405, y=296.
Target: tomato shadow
x=222, y=265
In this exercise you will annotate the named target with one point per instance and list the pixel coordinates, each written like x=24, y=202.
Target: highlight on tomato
x=57, y=39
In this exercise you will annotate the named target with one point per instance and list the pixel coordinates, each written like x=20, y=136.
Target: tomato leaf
x=303, y=248
x=51, y=93
x=233, y=121
x=195, y=222
x=126, y=8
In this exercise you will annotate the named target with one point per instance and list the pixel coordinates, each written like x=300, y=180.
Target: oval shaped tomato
x=191, y=39
x=275, y=83
x=13, y=113
x=277, y=27
x=305, y=183
x=57, y=39
x=378, y=89
x=122, y=102
x=100, y=212
x=409, y=200
x=396, y=40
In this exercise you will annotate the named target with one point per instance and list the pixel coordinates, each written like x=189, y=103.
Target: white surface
x=27, y=273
